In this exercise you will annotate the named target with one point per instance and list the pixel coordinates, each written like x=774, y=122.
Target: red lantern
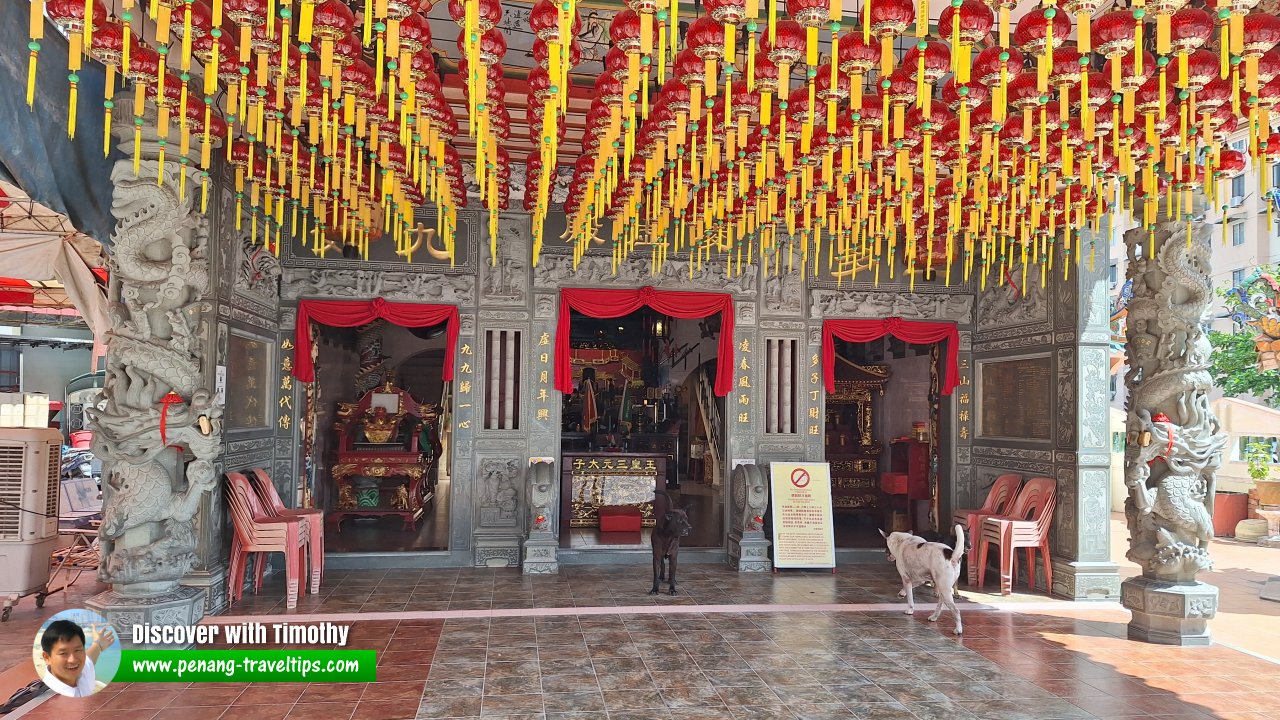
x=888, y=20
x=937, y=61
x=1033, y=30
x=488, y=13
x=1231, y=163
x=976, y=20
x=788, y=45
x=624, y=30
x=1189, y=29
x=1261, y=33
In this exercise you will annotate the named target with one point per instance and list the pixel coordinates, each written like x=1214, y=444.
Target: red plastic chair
x=999, y=500
x=257, y=532
x=271, y=502
x=1026, y=526
x=81, y=439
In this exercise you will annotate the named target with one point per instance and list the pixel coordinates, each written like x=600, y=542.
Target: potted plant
x=1258, y=457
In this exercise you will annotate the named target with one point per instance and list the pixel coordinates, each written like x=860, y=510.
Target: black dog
x=671, y=526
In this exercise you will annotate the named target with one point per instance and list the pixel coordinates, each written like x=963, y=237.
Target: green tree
x=1234, y=366
x=1234, y=360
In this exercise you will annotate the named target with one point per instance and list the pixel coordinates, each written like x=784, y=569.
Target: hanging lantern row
x=324, y=145
x=986, y=148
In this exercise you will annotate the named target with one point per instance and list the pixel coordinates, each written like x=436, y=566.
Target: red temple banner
x=352, y=313
x=912, y=331
x=617, y=303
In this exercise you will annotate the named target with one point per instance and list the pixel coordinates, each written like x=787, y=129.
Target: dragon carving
x=154, y=479
x=1175, y=442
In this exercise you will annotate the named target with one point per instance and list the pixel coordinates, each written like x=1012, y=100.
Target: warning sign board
x=803, y=529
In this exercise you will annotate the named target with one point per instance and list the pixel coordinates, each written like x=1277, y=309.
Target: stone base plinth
x=540, y=554
x=495, y=551
x=749, y=552
x=1168, y=613
x=180, y=606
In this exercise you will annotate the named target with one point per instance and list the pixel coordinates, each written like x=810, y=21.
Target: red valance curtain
x=616, y=303
x=912, y=331
x=350, y=313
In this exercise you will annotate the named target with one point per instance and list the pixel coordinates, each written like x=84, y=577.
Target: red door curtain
x=351, y=313
x=912, y=331
x=616, y=303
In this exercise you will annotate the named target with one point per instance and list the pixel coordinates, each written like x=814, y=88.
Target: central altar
x=590, y=481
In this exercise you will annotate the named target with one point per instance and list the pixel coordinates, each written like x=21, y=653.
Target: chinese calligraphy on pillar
x=542, y=407
x=744, y=383
x=285, y=420
x=964, y=398
x=815, y=390
x=465, y=374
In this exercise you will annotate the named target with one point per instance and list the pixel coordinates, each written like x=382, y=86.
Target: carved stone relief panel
x=783, y=294
x=957, y=308
x=1066, y=410
x=1014, y=308
x=544, y=306
x=1066, y=313
x=506, y=280
x=1066, y=539
x=746, y=313
x=1013, y=342
x=499, y=492
x=555, y=270
x=1095, y=391
x=1095, y=514
x=259, y=273
x=405, y=286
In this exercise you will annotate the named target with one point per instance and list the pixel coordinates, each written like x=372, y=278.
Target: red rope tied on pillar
x=170, y=398
x=1017, y=291
x=1162, y=418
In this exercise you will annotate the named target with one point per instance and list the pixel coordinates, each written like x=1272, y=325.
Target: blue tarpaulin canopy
x=68, y=176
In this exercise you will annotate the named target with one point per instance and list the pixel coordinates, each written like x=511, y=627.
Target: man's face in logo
x=66, y=660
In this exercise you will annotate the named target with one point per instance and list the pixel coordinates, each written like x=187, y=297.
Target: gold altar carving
x=593, y=491
x=391, y=438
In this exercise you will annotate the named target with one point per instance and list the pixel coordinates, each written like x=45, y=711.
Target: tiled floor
x=1008, y=666
x=591, y=644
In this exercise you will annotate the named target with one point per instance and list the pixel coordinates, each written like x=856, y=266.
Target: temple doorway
x=378, y=436
x=641, y=416
x=881, y=438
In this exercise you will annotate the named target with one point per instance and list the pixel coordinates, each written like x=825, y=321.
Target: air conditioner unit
x=1236, y=201
x=30, y=465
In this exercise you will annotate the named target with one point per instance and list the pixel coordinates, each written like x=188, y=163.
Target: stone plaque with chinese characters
x=250, y=372
x=1015, y=399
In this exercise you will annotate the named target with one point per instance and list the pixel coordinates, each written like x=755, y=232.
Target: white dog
x=920, y=561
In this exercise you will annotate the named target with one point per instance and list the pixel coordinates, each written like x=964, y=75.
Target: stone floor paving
x=590, y=644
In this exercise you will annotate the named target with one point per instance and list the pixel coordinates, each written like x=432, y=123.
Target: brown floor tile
x=385, y=710
x=325, y=710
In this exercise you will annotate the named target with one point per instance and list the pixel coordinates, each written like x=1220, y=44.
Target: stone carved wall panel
x=406, y=286
x=499, y=492
x=506, y=281
x=556, y=270
x=783, y=294
x=1066, y=411
x=955, y=308
x=1013, y=306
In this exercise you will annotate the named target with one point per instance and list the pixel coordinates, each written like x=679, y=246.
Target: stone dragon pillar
x=159, y=429
x=1174, y=442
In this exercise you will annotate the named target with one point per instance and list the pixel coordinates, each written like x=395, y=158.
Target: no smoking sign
x=800, y=477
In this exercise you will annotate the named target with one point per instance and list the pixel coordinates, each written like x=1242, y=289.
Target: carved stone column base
x=540, y=554
x=497, y=551
x=1082, y=580
x=1169, y=613
x=213, y=583
x=180, y=606
x=749, y=552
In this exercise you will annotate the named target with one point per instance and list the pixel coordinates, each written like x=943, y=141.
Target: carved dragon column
x=1174, y=442
x=159, y=430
